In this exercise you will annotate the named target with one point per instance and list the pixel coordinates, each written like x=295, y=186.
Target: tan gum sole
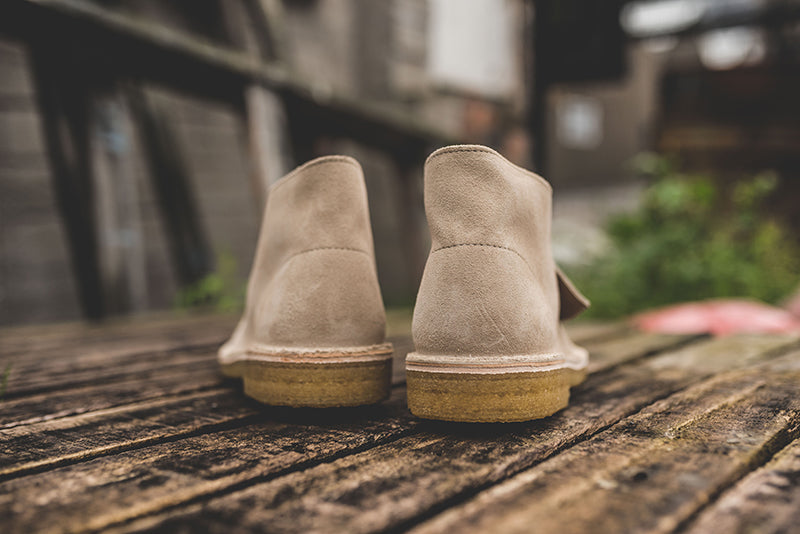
x=343, y=379
x=490, y=398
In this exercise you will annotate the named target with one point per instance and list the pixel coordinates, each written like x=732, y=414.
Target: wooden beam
x=264, y=112
x=191, y=253
x=269, y=151
x=155, y=51
x=118, y=217
x=63, y=103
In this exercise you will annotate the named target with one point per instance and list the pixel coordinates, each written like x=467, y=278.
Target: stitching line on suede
x=487, y=245
x=325, y=248
x=455, y=150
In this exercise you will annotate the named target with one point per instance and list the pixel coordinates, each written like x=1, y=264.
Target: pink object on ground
x=793, y=304
x=719, y=317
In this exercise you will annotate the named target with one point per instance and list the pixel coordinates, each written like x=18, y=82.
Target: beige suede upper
x=490, y=286
x=313, y=282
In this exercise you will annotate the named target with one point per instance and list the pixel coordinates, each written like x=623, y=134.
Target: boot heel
x=487, y=319
x=313, y=284
x=319, y=379
x=487, y=396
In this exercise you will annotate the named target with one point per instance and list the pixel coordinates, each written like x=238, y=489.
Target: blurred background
x=138, y=139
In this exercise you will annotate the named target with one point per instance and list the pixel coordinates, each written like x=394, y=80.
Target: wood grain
x=36, y=378
x=135, y=387
x=66, y=340
x=127, y=430
x=766, y=501
x=81, y=385
x=584, y=331
x=109, y=490
x=392, y=486
x=39, y=446
x=86, y=448
x=147, y=399
x=651, y=471
x=607, y=353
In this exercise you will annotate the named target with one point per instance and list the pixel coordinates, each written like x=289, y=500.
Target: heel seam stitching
x=485, y=245
x=348, y=249
x=488, y=245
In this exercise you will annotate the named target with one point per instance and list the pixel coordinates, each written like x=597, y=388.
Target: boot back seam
x=348, y=249
x=488, y=245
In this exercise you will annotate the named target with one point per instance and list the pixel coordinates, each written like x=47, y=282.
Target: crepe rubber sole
x=488, y=395
x=316, y=378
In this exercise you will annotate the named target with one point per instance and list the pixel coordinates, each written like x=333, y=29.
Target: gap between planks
x=642, y=344
x=616, y=403
x=653, y=471
x=664, y=341
x=131, y=369
x=63, y=339
x=44, y=377
x=185, y=373
x=224, y=407
x=766, y=500
x=423, y=462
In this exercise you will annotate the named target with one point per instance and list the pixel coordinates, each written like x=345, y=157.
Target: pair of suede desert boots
x=489, y=341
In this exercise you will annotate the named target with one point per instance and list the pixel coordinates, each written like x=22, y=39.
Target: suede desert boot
x=313, y=329
x=490, y=346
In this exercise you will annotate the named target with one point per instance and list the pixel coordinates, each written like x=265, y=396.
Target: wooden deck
x=130, y=428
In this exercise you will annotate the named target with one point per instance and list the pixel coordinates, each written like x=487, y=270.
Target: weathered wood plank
x=88, y=422
x=127, y=379
x=62, y=374
x=31, y=448
x=101, y=364
x=134, y=483
x=392, y=486
x=766, y=501
x=71, y=339
x=651, y=471
x=29, y=349
x=402, y=346
x=179, y=489
x=102, y=385
x=175, y=380
x=607, y=353
x=77, y=355
x=581, y=331
x=85, y=331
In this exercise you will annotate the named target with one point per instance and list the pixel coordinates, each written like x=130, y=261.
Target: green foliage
x=223, y=291
x=691, y=240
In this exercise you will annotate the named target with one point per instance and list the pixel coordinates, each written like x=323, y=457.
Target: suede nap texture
x=313, y=284
x=490, y=285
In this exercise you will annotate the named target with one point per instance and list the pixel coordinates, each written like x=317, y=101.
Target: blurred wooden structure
x=102, y=75
x=131, y=428
x=138, y=137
